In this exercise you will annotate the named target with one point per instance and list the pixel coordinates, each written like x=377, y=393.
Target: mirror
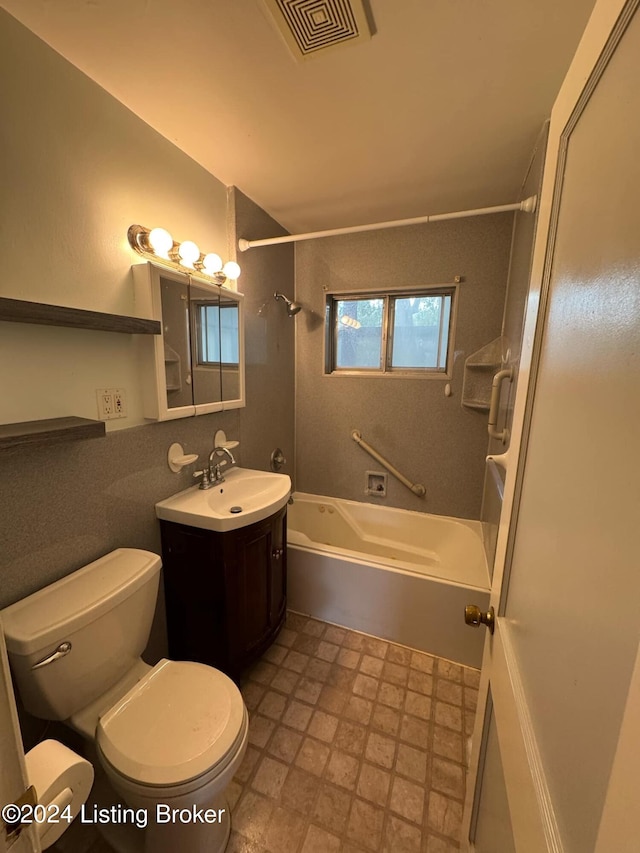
x=198, y=361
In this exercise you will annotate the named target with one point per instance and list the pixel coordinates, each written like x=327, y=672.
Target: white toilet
x=169, y=737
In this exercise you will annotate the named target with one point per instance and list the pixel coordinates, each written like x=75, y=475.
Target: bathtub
x=405, y=576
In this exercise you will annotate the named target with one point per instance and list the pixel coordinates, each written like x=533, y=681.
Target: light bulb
x=189, y=253
x=160, y=241
x=212, y=263
x=231, y=270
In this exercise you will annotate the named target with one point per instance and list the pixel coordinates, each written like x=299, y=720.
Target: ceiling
x=438, y=111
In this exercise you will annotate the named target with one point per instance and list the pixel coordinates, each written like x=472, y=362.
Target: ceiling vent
x=311, y=26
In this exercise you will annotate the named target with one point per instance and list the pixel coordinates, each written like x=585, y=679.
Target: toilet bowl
x=170, y=737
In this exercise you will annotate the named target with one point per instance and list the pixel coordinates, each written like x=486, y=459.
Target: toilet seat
x=181, y=721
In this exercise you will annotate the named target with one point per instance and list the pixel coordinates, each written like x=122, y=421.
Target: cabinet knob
x=277, y=553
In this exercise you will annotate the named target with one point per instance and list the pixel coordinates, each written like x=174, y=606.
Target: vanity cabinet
x=225, y=593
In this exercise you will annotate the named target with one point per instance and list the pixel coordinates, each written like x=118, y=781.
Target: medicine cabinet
x=196, y=365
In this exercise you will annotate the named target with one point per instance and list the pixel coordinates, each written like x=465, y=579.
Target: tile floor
x=355, y=745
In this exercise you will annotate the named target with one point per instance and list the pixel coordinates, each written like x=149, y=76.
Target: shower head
x=292, y=307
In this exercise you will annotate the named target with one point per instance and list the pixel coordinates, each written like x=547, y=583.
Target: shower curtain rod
x=528, y=206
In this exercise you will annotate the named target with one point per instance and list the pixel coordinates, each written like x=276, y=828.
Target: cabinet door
x=278, y=579
x=250, y=574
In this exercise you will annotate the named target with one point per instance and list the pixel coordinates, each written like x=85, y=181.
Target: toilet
x=169, y=737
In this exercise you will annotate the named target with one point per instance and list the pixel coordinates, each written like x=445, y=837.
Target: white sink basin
x=245, y=496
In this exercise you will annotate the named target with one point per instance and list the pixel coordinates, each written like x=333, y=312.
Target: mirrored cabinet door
x=197, y=365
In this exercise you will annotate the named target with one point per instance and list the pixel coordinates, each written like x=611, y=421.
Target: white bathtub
x=402, y=575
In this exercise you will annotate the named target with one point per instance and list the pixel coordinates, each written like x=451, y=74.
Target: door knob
x=474, y=616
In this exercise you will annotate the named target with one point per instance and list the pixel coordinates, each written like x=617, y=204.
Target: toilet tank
x=104, y=610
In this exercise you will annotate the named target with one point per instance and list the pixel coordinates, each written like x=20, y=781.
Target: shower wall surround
x=426, y=435
x=72, y=189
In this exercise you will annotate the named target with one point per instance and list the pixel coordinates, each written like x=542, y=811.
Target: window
x=218, y=334
x=407, y=332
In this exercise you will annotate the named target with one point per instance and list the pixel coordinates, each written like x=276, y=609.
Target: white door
x=12, y=766
x=554, y=764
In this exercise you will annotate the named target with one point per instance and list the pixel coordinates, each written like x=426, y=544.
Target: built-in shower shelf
x=42, y=314
x=29, y=433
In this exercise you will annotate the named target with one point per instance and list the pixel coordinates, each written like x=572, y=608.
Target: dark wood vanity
x=225, y=592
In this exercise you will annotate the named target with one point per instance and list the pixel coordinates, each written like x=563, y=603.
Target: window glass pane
x=209, y=321
x=229, y=334
x=420, y=332
x=358, y=332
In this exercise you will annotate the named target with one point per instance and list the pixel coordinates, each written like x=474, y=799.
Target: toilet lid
x=178, y=722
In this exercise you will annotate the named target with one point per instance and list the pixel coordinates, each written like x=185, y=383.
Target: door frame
x=535, y=828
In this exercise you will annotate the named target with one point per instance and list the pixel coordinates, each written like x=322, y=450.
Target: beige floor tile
x=366, y=686
x=308, y=690
x=348, y=658
x=336, y=635
x=414, y=732
x=260, y=730
x=447, y=669
x=399, y=654
x=252, y=816
x=374, y=646
x=439, y=845
x=371, y=666
x=380, y=750
x=296, y=661
x=269, y=777
x=313, y=756
x=448, y=778
x=342, y=770
x=252, y=693
x=272, y=705
x=350, y=737
x=332, y=699
x=373, y=784
x=239, y=844
x=449, y=692
x=418, y=705
x=359, y=710
x=285, y=680
x=318, y=840
x=275, y=654
x=314, y=628
x=412, y=762
x=249, y=762
x=470, y=699
x=444, y=815
x=285, y=831
x=341, y=677
x=401, y=837
x=297, y=715
x=286, y=637
x=394, y=673
x=365, y=824
x=407, y=799
x=391, y=695
x=327, y=651
x=323, y=726
x=354, y=641
x=318, y=669
x=385, y=719
x=332, y=808
x=305, y=644
x=300, y=791
x=419, y=682
x=448, y=716
x=447, y=743
x=284, y=744
x=422, y=662
x=471, y=677
x=263, y=672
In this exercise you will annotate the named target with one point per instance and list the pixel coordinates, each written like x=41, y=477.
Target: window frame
x=389, y=298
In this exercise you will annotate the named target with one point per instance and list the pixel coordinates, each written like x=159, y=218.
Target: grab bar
x=416, y=488
x=496, y=387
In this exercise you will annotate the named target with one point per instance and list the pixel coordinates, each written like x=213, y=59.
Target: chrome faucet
x=215, y=473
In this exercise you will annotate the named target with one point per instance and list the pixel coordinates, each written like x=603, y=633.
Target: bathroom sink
x=245, y=496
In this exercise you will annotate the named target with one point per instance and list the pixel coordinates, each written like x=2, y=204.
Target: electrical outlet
x=119, y=403
x=111, y=403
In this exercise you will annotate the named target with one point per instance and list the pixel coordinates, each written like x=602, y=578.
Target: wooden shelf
x=29, y=433
x=39, y=313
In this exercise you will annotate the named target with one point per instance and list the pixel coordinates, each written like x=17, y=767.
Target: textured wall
x=524, y=228
x=426, y=435
x=268, y=420
x=76, y=169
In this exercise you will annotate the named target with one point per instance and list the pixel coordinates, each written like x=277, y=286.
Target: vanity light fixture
x=158, y=245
